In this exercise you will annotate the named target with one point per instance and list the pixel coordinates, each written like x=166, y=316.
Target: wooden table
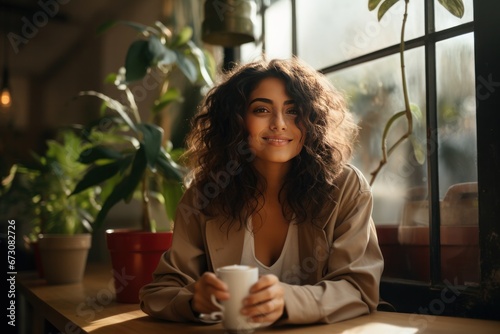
x=89, y=307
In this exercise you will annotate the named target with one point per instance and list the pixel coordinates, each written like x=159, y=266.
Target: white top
x=286, y=268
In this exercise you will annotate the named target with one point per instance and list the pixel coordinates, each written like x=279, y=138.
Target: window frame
x=438, y=297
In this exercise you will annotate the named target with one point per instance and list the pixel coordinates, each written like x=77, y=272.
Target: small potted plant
x=61, y=226
x=130, y=158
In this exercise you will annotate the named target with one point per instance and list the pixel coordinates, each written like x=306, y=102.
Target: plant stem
x=403, y=71
x=386, y=153
x=146, y=215
x=133, y=105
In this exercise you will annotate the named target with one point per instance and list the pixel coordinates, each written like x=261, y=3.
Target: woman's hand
x=208, y=284
x=265, y=303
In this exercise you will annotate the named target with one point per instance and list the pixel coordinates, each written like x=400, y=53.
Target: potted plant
x=130, y=158
x=61, y=226
x=403, y=245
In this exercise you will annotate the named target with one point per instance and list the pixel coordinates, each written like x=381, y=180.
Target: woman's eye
x=260, y=110
x=292, y=111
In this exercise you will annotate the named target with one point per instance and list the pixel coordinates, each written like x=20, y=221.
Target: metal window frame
x=428, y=41
x=422, y=297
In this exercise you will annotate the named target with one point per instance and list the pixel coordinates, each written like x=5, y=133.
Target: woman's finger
x=206, y=286
x=269, y=311
x=265, y=303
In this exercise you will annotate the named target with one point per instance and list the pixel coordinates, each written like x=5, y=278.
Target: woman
x=271, y=187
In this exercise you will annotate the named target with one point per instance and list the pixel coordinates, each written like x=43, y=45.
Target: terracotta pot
x=134, y=257
x=459, y=253
x=392, y=250
x=64, y=257
x=459, y=235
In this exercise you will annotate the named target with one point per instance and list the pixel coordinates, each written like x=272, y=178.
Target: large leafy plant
x=128, y=155
x=44, y=187
x=411, y=111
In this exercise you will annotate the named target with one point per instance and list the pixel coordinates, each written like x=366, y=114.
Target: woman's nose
x=278, y=122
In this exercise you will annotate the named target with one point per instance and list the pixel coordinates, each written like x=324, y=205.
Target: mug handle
x=216, y=303
x=213, y=317
x=218, y=315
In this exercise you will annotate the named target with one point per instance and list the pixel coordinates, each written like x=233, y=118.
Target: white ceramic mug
x=239, y=279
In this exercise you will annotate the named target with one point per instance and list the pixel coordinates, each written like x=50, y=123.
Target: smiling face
x=270, y=121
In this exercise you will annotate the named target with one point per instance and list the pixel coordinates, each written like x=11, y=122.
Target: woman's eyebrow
x=261, y=99
x=269, y=101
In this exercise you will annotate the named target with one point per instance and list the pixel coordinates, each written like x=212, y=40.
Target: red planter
x=392, y=251
x=134, y=257
x=459, y=253
x=406, y=252
x=459, y=235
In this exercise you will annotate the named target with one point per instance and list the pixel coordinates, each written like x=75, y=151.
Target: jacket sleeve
x=350, y=283
x=169, y=295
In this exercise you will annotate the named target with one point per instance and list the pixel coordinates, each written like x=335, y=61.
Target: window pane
x=445, y=20
x=457, y=159
x=278, y=25
x=375, y=94
x=330, y=33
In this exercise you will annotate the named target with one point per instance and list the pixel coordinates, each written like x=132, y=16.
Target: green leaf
x=7, y=180
x=202, y=61
x=113, y=105
x=100, y=124
x=168, y=168
x=183, y=37
x=187, y=67
x=160, y=53
x=125, y=188
x=137, y=60
x=384, y=7
x=455, y=7
x=172, y=193
x=136, y=173
x=153, y=137
x=103, y=108
x=111, y=78
x=210, y=65
x=418, y=150
x=416, y=112
x=96, y=175
x=171, y=95
x=177, y=153
x=99, y=152
x=372, y=4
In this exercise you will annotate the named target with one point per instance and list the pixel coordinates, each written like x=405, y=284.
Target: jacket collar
x=221, y=251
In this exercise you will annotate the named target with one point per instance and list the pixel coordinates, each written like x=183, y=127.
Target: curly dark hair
x=219, y=156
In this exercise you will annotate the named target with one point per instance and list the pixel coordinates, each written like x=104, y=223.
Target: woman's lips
x=277, y=141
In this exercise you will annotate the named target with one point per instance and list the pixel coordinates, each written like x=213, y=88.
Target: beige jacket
x=340, y=260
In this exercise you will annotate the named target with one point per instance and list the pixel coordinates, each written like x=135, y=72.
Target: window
x=428, y=196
